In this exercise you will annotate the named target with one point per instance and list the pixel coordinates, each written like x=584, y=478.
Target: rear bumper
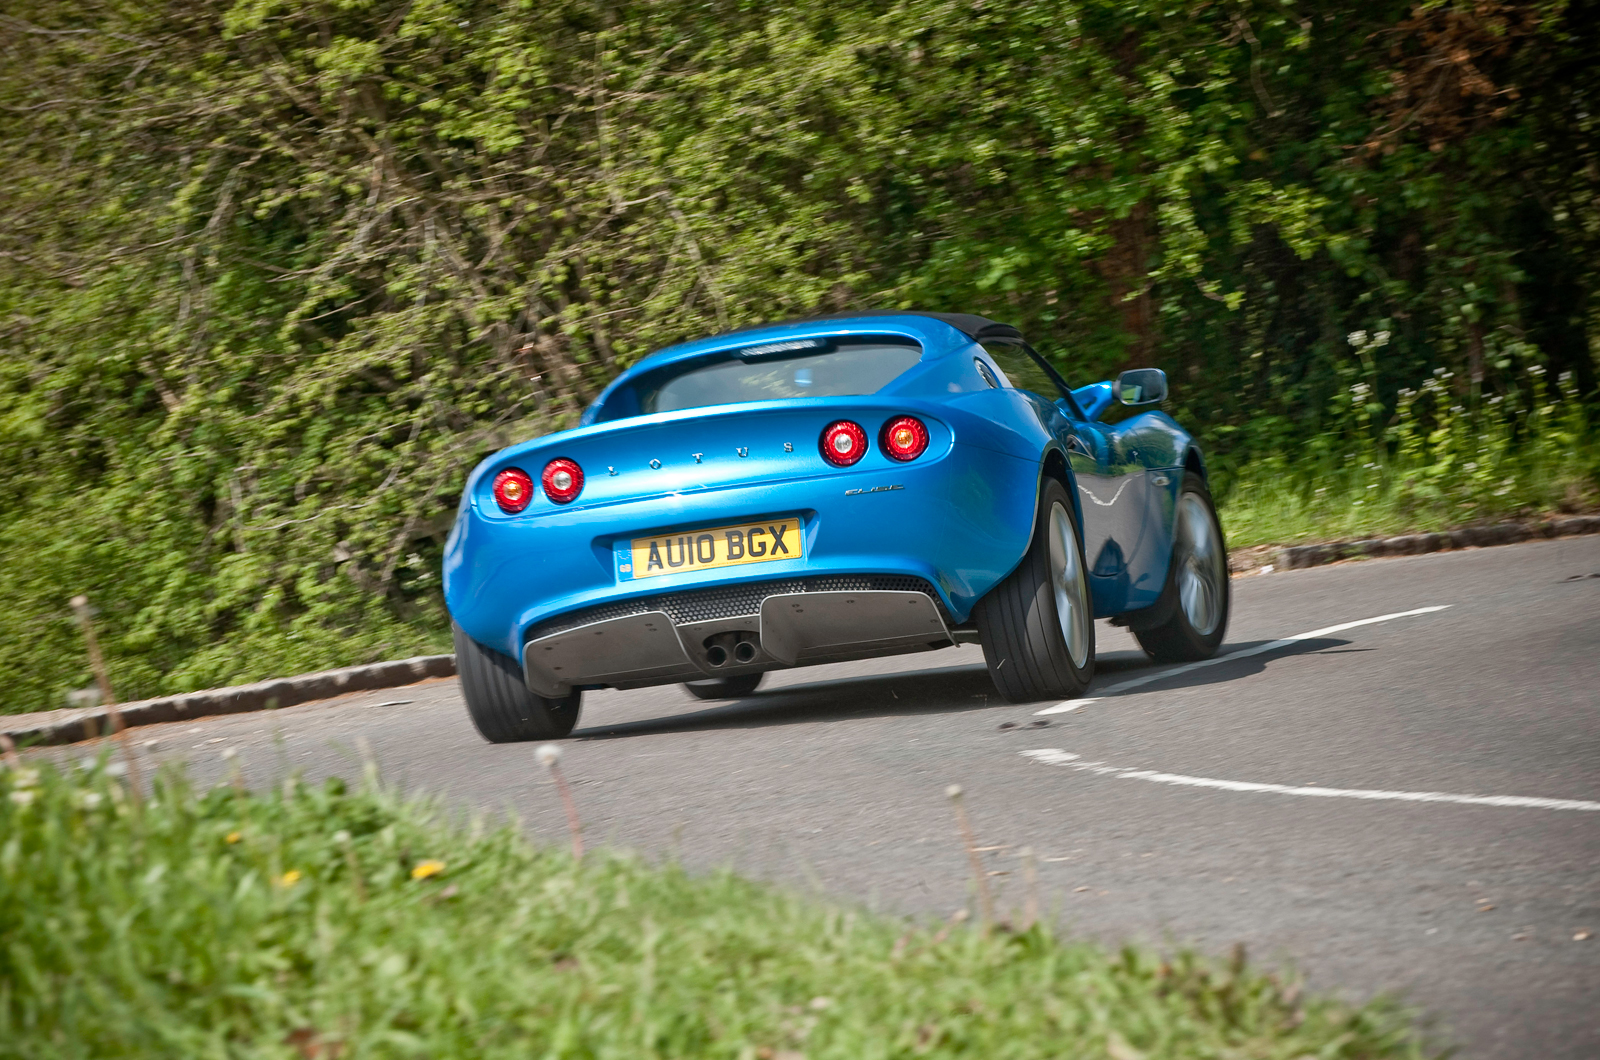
x=958, y=524
x=724, y=632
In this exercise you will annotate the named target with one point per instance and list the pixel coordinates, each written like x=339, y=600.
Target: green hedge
x=275, y=273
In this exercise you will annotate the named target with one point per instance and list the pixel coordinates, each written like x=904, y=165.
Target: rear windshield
x=767, y=372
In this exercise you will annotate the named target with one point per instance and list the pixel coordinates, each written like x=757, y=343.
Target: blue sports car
x=827, y=489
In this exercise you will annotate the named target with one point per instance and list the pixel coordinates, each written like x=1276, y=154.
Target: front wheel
x=1196, y=599
x=499, y=701
x=1037, y=626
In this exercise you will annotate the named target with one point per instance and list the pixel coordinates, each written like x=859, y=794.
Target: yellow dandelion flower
x=290, y=878
x=234, y=837
x=427, y=868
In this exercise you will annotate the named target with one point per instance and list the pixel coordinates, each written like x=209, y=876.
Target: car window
x=1023, y=372
x=775, y=371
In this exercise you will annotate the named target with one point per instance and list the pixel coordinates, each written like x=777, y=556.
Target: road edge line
x=1055, y=756
x=1069, y=705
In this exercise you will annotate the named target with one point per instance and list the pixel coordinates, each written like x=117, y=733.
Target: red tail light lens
x=843, y=443
x=562, y=480
x=904, y=438
x=513, y=489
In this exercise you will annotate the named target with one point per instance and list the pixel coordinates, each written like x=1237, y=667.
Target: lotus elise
x=823, y=490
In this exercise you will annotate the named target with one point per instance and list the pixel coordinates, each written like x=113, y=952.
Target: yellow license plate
x=760, y=541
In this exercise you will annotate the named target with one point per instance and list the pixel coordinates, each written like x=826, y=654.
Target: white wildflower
x=548, y=754
x=22, y=796
x=1357, y=338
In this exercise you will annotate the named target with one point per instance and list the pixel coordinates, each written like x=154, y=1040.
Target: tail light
x=562, y=480
x=513, y=489
x=843, y=443
x=904, y=438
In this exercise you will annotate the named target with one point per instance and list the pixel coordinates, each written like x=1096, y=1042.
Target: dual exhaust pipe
x=739, y=648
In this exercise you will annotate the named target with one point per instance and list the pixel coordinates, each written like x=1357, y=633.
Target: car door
x=1150, y=447
x=1111, y=491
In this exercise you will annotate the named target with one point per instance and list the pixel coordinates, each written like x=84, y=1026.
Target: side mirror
x=1141, y=386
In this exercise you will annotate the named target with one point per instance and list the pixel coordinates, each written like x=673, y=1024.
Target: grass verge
x=1425, y=464
x=328, y=922
x=1268, y=509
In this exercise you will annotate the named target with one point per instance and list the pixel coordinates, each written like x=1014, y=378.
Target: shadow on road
x=947, y=690
x=1121, y=666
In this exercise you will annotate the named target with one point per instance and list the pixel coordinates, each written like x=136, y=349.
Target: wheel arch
x=1013, y=631
x=1053, y=465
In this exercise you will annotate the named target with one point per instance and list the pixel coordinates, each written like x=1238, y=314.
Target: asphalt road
x=833, y=778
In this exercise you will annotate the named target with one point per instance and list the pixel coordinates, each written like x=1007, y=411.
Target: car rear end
x=717, y=540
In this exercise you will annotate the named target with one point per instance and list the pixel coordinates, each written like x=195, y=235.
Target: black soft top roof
x=969, y=324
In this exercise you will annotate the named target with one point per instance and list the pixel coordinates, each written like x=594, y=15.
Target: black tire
x=724, y=687
x=1196, y=590
x=499, y=702
x=1019, y=622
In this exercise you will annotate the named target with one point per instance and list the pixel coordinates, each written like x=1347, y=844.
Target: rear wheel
x=1196, y=599
x=1037, y=625
x=499, y=702
x=724, y=687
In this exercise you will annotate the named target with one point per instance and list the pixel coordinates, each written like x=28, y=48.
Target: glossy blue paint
x=961, y=517
x=1093, y=399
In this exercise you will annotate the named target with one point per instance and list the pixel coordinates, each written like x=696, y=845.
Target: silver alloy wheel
x=1201, y=565
x=1070, y=585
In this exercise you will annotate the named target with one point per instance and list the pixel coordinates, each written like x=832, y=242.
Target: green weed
x=326, y=922
x=1436, y=460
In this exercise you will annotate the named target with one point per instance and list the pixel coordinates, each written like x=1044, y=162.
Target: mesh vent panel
x=734, y=601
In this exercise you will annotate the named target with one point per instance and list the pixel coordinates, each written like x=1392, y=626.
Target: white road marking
x=1114, y=496
x=1069, y=705
x=1054, y=756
